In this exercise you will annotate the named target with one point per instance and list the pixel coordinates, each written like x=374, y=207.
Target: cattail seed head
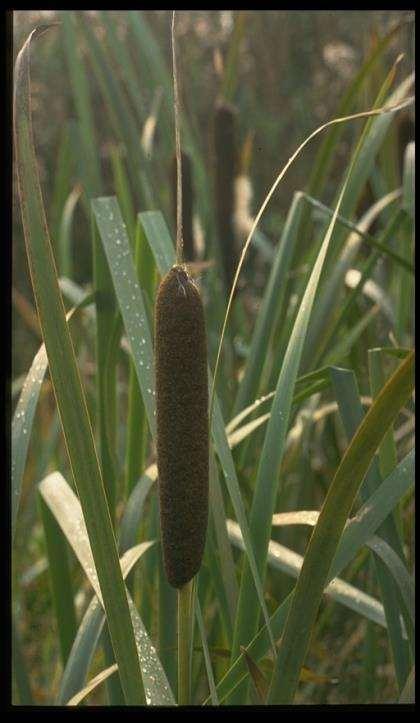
x=182, y=424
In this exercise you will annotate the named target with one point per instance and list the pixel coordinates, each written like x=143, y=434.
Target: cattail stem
x=188, y=250
x=185, y=609
x=179, y=241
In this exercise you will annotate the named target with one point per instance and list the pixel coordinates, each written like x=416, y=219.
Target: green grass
x=311, y=386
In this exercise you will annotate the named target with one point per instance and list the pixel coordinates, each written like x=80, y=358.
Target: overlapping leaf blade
x=129, y=296
x=326, y=536
x=357, y=532
x=64, y=505
x=67, y=385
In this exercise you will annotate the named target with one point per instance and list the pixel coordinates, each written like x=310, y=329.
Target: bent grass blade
x=327, y=533
x=66, y=508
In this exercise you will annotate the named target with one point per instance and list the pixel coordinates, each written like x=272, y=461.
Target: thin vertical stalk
x=185, y=592
x=167, y=633
x=184, y=642
x=179, y=239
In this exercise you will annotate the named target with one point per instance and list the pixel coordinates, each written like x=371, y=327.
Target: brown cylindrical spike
x=182, y=424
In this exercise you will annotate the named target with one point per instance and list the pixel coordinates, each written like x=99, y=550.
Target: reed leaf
x=66, y=508
x=326, y=536
x=67, y=385
x=359, y=529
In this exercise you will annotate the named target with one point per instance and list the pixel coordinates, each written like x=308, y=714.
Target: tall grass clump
x=213, y=503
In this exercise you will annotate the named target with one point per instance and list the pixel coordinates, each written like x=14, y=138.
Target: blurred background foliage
x=287, y=74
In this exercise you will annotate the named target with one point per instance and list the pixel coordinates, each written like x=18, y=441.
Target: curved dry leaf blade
x=290, y=562
x=65, y=506
x=370, y=516
x=97, y=680
x=381, y=548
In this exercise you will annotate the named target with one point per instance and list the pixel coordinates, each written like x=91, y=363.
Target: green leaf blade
x=326, y=535
x=67, y=385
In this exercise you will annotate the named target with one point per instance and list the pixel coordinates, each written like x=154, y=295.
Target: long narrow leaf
x=326, y=536
x=282, y=558
x=136, y=422
x=335, y=281
x=272, y=304
x=67, y=385
x=357, y=532
x=24, y=415
x=356, y=228
x=266, y=486
x=129, y=295
x=351, y=411
x=375, y=543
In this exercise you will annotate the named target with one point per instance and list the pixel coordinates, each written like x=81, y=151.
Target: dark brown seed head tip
x=182, y=424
